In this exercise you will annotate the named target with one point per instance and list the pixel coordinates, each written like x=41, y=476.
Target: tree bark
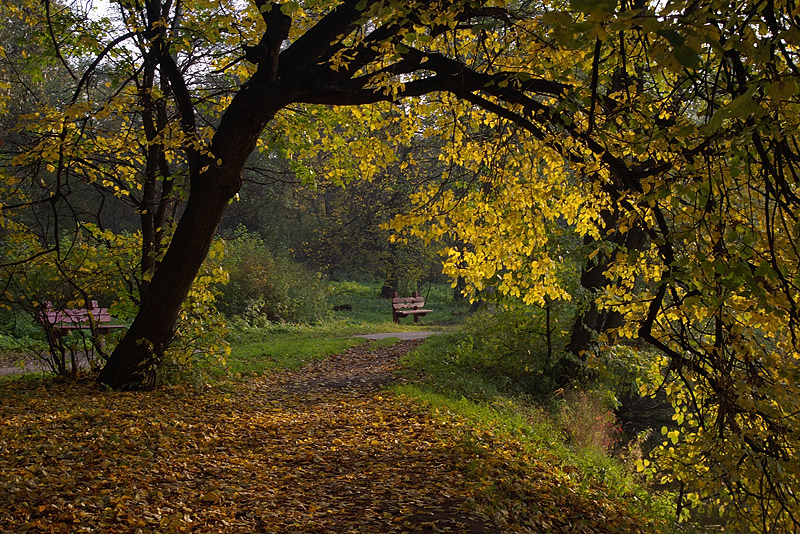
x=458, y=290
x=214, y=181
x=391, y=283
x=134, y=362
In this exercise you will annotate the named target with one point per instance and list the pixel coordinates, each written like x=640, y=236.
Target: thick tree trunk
x=214, y=181
x=134, y=362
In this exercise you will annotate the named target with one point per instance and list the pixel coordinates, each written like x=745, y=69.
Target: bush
x=512, y=346
x=498, y=354
x=265, y=285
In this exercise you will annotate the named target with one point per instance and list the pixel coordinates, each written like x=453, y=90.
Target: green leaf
x=674, y=38
x=687, y=57
x=782, y=89
x=290, y=8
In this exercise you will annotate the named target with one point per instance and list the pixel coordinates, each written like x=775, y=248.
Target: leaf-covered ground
x=322, y=449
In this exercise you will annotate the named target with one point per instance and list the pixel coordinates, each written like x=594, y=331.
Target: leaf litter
x=323, y=450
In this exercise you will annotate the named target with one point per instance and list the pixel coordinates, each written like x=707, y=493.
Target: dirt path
x=9, y=366
x=356, y=377
x=360, y=368
x=319, y=450
x=399, y=335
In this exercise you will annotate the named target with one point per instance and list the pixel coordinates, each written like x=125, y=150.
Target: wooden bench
x=59, y=323
x=405, y=306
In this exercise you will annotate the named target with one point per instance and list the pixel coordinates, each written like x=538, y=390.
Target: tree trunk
x=134, y=362
x=458, y=290
x=391, y=283
x=593, y=321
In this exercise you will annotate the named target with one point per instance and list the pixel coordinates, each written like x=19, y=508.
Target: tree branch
x=315, y=43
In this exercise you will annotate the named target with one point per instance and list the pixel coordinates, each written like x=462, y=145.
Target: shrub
x=588, y=422
x=498, y=354
x=511, y=344
x=265, y=285
x=104, y=266
x=91, y=264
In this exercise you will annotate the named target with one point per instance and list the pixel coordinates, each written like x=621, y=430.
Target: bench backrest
x=399, y=303
x=74, y=315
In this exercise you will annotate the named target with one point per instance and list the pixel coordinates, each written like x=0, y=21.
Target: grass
x=570, y=431
x=293, y=351
x=383, y=343
x=374, y=313
x=285, y=352
x=535, y=432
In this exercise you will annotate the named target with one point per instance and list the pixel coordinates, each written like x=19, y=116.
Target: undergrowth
x=524, y=401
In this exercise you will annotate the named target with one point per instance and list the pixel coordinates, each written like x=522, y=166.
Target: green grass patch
x=369, y=310
x=34, y=379
x=287, y=351
x=258, y=345
x=292, y=350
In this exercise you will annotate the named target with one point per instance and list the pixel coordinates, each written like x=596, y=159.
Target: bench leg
x=416, y=317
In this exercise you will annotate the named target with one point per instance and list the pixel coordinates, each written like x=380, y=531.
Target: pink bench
x=59, y=323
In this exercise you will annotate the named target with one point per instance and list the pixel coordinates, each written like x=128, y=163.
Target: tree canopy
x=663, y=136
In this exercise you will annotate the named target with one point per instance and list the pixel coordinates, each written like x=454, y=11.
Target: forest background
x=619, y=178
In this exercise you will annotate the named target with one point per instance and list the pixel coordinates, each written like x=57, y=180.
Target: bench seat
x=405, y=306
x=59, y=322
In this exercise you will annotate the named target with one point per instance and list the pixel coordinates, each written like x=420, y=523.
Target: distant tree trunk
x=548, y=328
x=391, y=284
x=458, y=290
